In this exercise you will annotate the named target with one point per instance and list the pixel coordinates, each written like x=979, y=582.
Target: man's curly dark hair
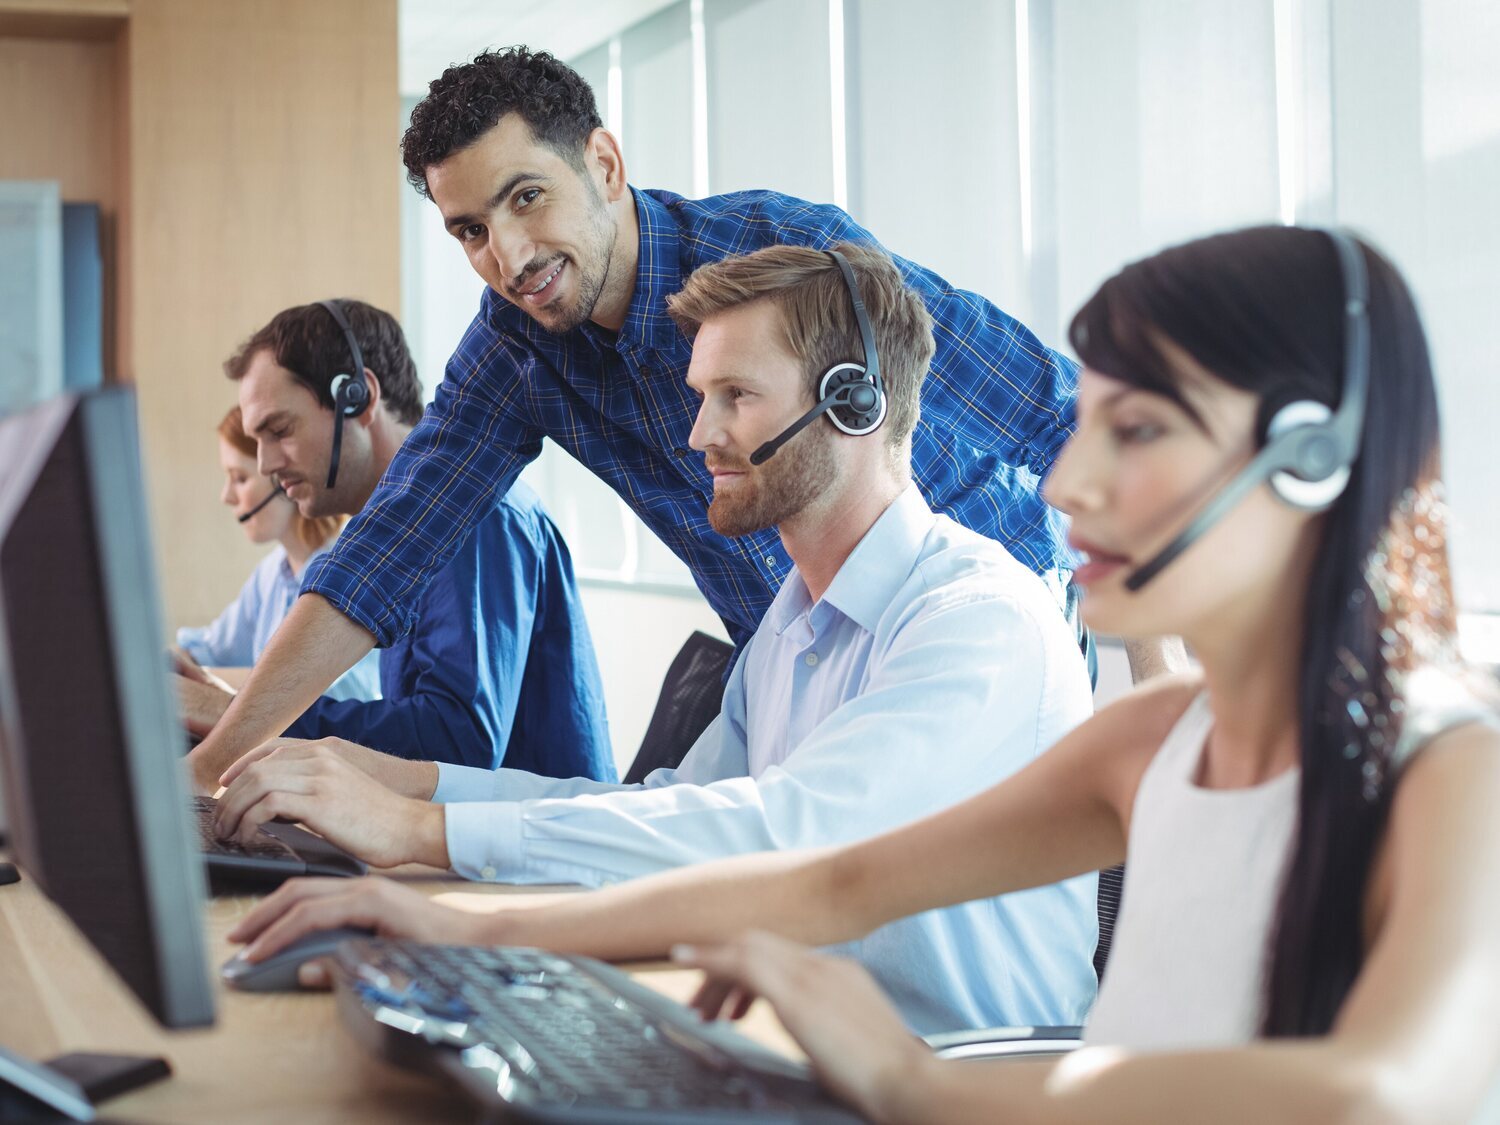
x=468, y=101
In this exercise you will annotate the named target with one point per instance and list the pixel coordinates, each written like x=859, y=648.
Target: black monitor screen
x=90, y=746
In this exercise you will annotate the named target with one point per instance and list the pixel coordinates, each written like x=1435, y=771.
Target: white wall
x=1417, y=166
x=636, y=634
x=1027, y=149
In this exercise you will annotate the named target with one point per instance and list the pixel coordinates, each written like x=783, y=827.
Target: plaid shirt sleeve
x=472, y=441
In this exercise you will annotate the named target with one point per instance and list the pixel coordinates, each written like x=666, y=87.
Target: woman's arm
x=1060, y=816
x=1417, y=1038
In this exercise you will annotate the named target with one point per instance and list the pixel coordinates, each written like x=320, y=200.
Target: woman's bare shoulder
x=1143, y=716
x=1115, y=746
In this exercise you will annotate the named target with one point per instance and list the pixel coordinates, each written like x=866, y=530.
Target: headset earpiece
x=859, y=405
x=1310, y=470
x=851, y=394
x=351, y=395
x=1307, y=449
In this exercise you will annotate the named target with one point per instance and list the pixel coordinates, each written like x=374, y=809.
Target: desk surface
x=268, y=1054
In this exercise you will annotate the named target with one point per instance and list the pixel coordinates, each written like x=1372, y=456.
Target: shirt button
x=811, y=659
x=770, y=560
x=487, y=872
x=680, y=452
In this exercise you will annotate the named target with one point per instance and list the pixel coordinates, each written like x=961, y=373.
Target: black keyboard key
x=205, y=809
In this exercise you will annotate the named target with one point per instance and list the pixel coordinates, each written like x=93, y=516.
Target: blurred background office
x=233, y=157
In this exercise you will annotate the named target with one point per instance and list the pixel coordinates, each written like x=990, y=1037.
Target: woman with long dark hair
x=1309, y=923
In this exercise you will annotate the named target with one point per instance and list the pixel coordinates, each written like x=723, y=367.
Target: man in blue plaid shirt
x=572, y=342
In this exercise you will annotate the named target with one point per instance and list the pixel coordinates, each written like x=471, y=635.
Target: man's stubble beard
x=602, y=243
x=777, y=490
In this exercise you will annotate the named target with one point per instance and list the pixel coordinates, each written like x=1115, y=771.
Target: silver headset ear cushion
x=840, y=375
x=1309, y=495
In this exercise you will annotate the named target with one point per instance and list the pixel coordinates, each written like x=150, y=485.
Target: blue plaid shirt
x=996, y=408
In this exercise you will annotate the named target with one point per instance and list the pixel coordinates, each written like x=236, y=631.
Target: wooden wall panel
x=60, y=119
x=263, y=173
x=57, y=116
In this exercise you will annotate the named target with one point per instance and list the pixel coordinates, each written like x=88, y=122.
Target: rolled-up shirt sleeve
x=946, y=713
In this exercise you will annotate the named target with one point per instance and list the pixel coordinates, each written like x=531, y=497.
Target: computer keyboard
x=265, y=847
x=559, y=1038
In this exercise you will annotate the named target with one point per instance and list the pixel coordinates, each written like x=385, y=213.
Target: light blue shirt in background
x=933, y=666
x=239, y=634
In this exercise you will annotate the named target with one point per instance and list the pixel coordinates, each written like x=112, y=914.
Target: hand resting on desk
x=318, y=785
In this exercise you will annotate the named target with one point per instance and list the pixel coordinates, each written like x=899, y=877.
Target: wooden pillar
x=264, y=173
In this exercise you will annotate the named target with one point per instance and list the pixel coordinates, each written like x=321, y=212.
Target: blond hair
x=818, y=318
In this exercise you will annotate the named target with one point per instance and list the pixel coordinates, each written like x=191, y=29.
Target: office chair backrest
x=1036, y=1042
x=691, y=695
x=1111, y=883
x=1073, y=611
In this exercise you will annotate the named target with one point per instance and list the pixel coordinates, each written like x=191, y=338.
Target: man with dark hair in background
x=497, y=667
x=572, y=341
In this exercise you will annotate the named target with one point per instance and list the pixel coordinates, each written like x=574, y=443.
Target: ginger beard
x=771, y=493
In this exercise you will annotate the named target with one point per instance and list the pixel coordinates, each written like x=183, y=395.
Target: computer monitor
x=90, y=746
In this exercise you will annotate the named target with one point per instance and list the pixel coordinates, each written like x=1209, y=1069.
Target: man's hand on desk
x=203, y=701
x=316, y=785
x=301, y=906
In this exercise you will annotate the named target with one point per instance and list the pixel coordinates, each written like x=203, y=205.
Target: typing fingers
x=273, y=773
x=264, y=750
x=739, y=970
x=712, y=996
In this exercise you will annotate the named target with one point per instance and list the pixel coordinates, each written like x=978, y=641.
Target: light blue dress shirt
x=933, y=666
x=237, y=636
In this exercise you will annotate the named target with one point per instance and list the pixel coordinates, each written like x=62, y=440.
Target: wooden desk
x=269, y=1057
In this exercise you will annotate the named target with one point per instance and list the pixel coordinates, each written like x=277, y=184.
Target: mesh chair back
x=1073, y=611
x=1111, y=883
x=690, y=697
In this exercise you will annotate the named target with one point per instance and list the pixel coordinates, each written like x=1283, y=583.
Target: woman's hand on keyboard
x=830, y=1006
x=302, y=906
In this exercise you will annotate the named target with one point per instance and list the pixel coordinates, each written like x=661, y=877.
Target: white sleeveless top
x=1203, y=876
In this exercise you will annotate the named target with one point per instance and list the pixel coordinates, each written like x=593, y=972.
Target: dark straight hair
x=1263, y=310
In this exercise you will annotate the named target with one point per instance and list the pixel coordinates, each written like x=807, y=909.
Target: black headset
x=276, y=490
x=1307, y=450
x=350, y=392
x=851, y=394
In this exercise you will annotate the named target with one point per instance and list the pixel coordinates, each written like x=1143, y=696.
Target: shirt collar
x=285, y=569
x=864, y=586
x=657, y=274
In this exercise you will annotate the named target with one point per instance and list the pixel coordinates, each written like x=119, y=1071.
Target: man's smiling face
x=534, y=225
